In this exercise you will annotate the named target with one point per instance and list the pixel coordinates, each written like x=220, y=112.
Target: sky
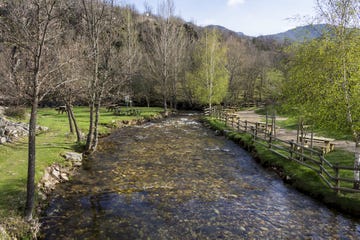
x=252, y=17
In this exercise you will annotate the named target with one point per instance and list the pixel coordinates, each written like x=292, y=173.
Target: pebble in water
x=176, y=180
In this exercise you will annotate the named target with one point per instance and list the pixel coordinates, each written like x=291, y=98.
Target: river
x=176, y=179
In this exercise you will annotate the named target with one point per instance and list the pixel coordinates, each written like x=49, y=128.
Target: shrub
x=15, y=112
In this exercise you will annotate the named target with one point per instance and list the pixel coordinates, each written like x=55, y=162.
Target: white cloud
x=232, y=3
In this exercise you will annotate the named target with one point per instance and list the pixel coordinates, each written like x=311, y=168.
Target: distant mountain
x=300, y=34
x=227, y=31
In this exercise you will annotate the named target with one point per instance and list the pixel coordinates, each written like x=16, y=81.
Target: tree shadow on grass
x=13, y=196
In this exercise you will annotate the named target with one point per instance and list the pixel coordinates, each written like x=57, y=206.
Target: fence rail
x=335, y=176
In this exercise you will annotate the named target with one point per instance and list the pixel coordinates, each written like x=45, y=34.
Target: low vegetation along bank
x=292, y=173
x=50, y=144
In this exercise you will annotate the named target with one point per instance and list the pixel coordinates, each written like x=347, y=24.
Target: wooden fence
x=337, y=177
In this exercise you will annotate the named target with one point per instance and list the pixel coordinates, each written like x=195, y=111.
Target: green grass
x=49, y=146
x=299, y=176
x=292, y=122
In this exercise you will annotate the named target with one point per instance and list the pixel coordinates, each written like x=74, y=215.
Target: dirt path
x=286, y=134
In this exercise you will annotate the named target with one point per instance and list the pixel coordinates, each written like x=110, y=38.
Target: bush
x=15, y=112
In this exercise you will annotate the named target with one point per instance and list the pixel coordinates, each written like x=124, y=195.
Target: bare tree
x=74, y=84
x=31, y=29
x=130, y=54
x=160, y=48
x=236, y=58
x=98, y=18
x=179, y=47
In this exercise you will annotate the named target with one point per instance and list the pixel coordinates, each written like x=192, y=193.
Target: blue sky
x=252, y=17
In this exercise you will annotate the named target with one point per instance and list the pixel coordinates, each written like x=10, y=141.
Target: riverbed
x=175, y=179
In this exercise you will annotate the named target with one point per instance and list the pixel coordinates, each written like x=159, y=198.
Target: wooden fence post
x=321, y=156
x=254, y=134
x=337, y=181
x=246, y=125
x=291, y=148
x=256, y=128
x=239, y=122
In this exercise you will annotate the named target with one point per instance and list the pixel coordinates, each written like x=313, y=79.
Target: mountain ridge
x=297, y=34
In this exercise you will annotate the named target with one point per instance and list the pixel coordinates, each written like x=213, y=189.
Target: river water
x=176, y=179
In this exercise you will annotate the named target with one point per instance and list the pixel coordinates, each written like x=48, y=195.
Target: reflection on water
x=177, y=180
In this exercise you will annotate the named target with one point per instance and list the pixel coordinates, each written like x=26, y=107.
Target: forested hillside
x=145, y=57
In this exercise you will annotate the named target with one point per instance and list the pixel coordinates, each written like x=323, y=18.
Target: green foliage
x=210, y=79
x=323, y=86
x=274, y=81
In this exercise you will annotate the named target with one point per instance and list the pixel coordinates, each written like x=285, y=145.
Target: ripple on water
x=177, y=180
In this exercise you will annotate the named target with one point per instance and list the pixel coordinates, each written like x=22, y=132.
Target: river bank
x=293, y=174
x=51, y=146
x=176, y=179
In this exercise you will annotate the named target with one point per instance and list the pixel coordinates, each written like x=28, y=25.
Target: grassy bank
x=300, y=177
x=50, y=145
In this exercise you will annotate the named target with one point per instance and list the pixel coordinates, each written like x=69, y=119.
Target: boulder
x=64, y=176
x=3, y=140
x=42, y=128
x=10, y=131
x=2, y=110
x=73, y=156
x=56, y=173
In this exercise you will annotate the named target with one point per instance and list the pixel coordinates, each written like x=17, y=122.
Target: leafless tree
x=32, y=31
x=98, y=18
x=161, y=44
x=236, y=58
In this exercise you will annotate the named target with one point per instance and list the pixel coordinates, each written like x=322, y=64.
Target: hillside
x=226, y=30
x=299, y=34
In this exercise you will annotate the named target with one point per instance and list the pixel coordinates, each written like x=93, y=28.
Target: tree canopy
x=210, y=79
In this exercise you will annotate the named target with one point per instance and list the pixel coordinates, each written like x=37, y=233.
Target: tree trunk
x=357, y=165
x=73, y=119
x=30, y=193
x=96, y=128
x=68, y=109
x=90, y=135
x=165, y=105
x=147, y=101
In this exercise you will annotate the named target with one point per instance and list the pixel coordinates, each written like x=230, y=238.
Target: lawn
x=49, y=147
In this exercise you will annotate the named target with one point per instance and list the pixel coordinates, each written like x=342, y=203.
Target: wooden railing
x=335, y=176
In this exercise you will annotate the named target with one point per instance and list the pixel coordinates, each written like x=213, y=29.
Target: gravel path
x=286, y=134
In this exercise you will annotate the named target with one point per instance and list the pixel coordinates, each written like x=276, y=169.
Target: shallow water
x=177, y=180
